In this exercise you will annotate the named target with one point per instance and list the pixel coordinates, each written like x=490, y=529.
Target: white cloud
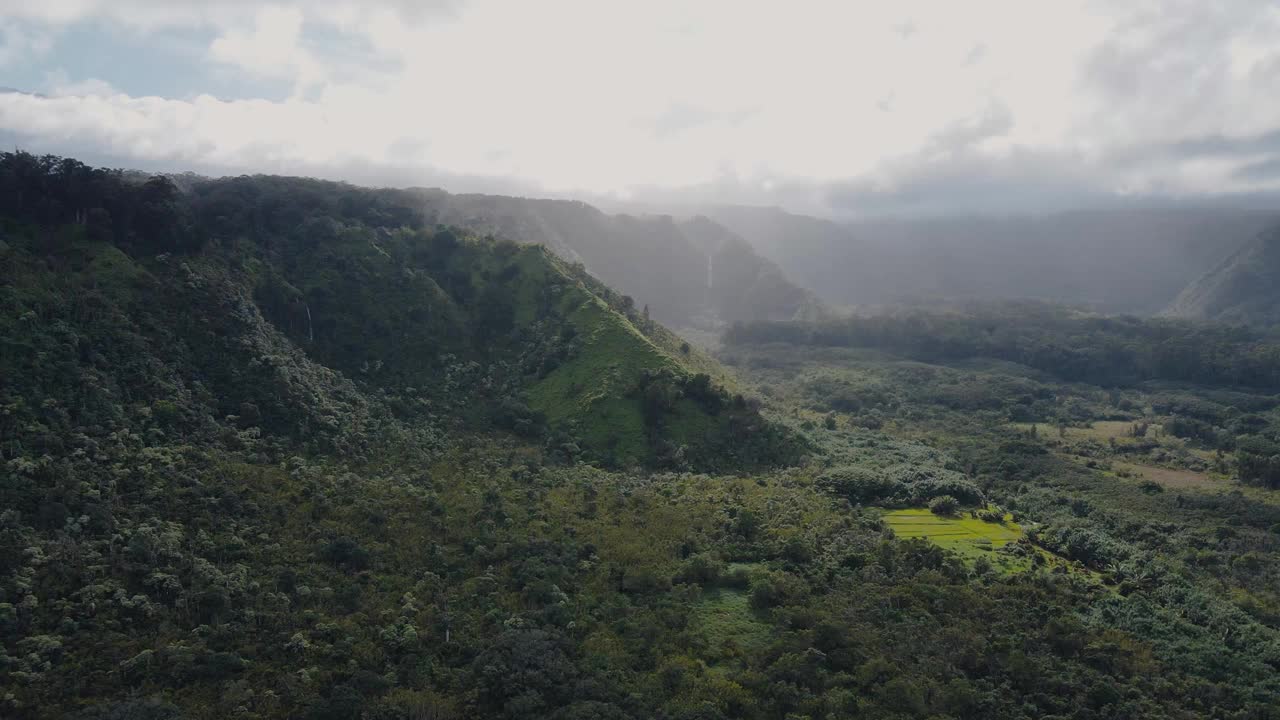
x=612, y=96
x=60, y=83
x=20, y=45
x=270, y=47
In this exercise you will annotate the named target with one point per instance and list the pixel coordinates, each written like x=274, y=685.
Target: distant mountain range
x=1134, y=261
x=691, y=272
x=1244, y=288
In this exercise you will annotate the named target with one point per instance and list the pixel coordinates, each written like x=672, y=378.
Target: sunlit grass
x=962, y=534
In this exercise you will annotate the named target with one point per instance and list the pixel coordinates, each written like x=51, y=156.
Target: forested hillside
x=280, y=448
x=352, y=283
x=689, y=273
x=1245, y=288
x=1133, y=261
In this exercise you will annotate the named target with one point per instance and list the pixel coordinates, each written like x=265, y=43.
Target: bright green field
x=963, y=534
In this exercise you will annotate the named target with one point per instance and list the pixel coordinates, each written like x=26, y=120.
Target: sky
x=842, y=108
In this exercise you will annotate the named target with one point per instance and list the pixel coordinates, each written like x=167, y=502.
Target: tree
x=158, y=217
x=944, y=505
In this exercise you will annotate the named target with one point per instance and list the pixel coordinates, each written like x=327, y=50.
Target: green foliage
x=944, y=505
x=325, y=463
x=1241, y=289
x=1070, y=345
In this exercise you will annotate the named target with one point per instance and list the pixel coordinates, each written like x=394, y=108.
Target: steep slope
x=1117, y=261
x=307, y=306
x=688, y=273
x=1244, y=288
x=740, y=285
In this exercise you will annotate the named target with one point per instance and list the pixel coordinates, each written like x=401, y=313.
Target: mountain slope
x=687, y=273
x=301, y=303
x=1244, y=288
x=274, y=449
x=1117, y=261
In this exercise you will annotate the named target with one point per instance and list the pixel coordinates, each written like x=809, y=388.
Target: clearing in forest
x=1100, y=430
x=725, y=618
x=963, y=534
x=1173, y=479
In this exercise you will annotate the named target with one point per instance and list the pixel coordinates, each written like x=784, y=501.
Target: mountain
x=689, y=273
x=304, y=305
x=275, y=448
x=1114, y=260
x=1244, y=288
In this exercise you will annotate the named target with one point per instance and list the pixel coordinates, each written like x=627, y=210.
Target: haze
x=828, y=108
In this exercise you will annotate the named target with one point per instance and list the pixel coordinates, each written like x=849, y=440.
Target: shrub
x=770, y=590
x=346, y=552
x=947, y=482
x=944, y=505
x=860, y=485
x=994, y=514
x=702, y=569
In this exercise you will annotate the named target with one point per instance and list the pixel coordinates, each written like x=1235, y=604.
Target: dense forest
x=1073, y=345
x=282, y=448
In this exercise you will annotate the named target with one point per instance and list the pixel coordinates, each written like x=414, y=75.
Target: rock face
x=1244, y=288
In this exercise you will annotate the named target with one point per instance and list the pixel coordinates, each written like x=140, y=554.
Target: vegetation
x=1070, y=345
x=691, y=273
x=277, y=448
x=1242, y=289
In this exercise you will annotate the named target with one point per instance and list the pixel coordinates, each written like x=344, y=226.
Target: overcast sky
x=839, y=107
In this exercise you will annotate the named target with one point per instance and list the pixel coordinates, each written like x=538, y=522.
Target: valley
x=279, y=448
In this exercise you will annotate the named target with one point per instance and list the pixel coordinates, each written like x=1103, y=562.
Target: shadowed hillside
x=242, y=286
x=690, y=273
x=1245, y=288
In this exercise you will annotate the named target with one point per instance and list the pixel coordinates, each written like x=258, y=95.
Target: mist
x=836, y=111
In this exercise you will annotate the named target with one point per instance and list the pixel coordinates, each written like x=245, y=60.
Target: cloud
x=18, y=44
x=968, y=180
x=61, y=84
x=156, y=15
x=847, y=107
x=270, y=47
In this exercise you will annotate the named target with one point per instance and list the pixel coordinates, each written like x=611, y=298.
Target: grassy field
x=967, y=536
x=1100, y=430
x=725, y=617
x=1172, y=479
x=960, y=533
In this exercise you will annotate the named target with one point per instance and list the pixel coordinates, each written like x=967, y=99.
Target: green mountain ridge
x=1244, y=288
x=372, y=300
